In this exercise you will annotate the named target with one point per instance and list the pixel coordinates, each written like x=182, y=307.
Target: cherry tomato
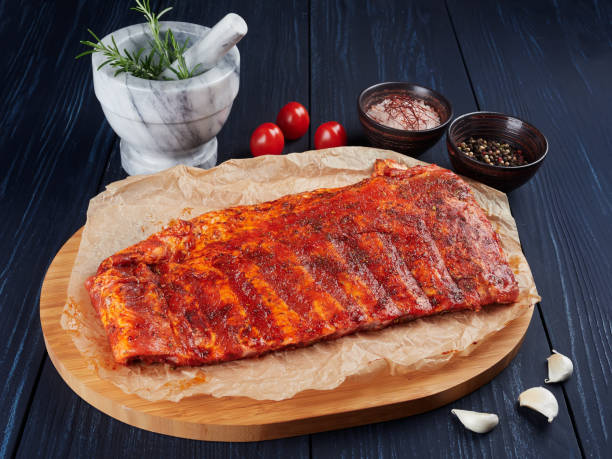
x=293, y=120
x=330, y=134
x=267, y=139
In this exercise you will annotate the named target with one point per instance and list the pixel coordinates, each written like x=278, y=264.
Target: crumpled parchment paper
x=132, y=209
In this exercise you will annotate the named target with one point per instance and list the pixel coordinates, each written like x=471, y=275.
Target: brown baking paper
x=132, y=209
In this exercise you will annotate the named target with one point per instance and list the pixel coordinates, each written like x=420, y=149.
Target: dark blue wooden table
x=546, y=61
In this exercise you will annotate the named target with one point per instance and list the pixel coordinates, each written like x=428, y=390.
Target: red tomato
x=293, y=120
x=267, y=139
x=330, y=134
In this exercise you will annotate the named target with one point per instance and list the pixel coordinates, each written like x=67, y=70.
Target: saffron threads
x=404, y=112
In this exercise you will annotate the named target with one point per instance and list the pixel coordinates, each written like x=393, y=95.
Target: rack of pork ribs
x=243, y=281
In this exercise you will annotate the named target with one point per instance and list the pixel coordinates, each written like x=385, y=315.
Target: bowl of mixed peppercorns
x=496, y=149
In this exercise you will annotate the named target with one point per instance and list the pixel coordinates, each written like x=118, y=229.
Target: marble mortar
x=165, y=123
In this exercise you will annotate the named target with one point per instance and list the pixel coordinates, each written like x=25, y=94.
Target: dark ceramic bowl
x=413, y=143
x=513, y=131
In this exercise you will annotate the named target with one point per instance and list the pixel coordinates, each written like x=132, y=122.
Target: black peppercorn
x=492, y=152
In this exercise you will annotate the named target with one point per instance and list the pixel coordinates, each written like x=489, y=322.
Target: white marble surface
x=207, y=52
x=164, y=123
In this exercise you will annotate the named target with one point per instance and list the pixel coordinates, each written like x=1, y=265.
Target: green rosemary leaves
x=164, y=50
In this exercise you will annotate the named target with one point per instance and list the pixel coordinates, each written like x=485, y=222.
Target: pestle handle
x=210, y=49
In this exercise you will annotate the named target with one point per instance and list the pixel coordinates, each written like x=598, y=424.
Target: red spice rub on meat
x=247, y=280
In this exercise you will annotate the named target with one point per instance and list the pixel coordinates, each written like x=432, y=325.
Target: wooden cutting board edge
x=358, y=401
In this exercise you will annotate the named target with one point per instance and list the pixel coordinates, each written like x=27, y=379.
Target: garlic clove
x=560, y=368
x=475, y=421
x=541, y=400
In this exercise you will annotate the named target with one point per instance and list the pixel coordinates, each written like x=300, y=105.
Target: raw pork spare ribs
x=248, y=280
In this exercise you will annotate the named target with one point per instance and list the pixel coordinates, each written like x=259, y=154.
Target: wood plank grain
x=520, y=433
x=550, y=63
x=54, y=146
x=355, y=402
x=72, y=428
x=366, y=43
x=273, y=66
x=274, y=70
x=358, y=44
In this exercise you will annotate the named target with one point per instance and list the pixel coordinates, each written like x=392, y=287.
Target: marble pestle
x=210, y=49
x=165, y=123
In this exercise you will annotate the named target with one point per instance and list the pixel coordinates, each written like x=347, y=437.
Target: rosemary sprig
x=133, y=63
x=163, y=51
x=182, y=72
x=159, y=45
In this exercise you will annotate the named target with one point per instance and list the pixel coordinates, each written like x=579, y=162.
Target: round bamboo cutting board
x=355, y=402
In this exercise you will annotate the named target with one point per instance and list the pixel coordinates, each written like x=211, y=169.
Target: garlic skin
x=560, y=368
x=541, y=400
x=475, y=421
